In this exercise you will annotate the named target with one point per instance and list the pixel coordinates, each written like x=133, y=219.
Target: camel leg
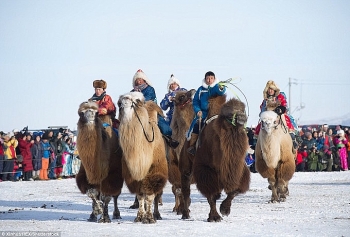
x=178, y=197
x=213, y=214
x=225, y=207
x=116, y=212
x=141, y=210
x=105, y=217
x=96, y=204
x=156, y=214
x=272, y=185
x=148, y=216
x=135, y=205
x=186, y=191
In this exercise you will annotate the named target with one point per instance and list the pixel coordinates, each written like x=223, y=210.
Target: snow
x=318, y=205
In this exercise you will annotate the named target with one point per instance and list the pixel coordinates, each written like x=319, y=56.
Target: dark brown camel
x=219, y=163
x=100, y=174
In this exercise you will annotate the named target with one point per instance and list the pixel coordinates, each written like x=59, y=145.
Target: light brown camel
x=274, y=158
x=100, y=174
x=182, y=118
x=145, y=167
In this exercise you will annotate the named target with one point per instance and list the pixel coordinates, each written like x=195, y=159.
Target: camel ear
x=191, y=92
x=139, y=103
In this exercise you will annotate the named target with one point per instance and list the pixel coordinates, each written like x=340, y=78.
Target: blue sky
x=51, y=51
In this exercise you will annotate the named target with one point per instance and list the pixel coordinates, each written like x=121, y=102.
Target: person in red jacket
x=25, y=144
x=104, y=101
x=273, y=92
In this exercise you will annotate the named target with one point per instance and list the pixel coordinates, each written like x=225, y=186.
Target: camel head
x=184, y=97
x=127, y=102
x=269, y=121
x=88, y=112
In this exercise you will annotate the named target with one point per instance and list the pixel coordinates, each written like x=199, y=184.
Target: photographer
x=313, y=159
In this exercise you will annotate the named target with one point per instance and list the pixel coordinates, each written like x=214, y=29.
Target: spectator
x=313, y=159
x=300, y=161
x=47, y=155
x=340, y=141
x=52, y=162
x=327, y=158
x=10, y=144
x=2, y=156
x=25, y=144
x=38, y=153
x=167, y=102
x=68, y=158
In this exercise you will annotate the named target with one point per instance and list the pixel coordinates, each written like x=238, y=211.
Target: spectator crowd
x=30, y=156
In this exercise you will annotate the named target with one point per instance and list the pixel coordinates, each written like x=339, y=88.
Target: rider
x=141, y=83
x=168, y=101
x=209, y=88
x=272, y=92
x=104, y=101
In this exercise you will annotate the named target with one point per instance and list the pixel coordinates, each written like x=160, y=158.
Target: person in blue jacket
x=209, y=88
x=168, y=100
x=143, y=85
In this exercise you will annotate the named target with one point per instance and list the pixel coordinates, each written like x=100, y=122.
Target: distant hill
x=340, y=120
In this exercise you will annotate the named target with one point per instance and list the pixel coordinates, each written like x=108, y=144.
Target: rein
x=143, y=129
x=188, y=101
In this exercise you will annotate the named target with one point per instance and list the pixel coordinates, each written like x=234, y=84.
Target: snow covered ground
x=318, y=205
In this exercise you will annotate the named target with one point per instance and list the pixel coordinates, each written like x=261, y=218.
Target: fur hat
x=272, y=85
x=173, y=80
x=100, y=84
x=340, y=132
x=142, y=75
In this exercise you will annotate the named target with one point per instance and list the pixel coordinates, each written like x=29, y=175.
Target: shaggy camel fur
x=100, y=174
x=182, y=118
x=219, y=162
x=145, y=167
x=274, y=158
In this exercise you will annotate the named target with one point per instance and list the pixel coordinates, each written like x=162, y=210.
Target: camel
x=100, y=174
x=182, y=118
x=274, y=157
x=219, y=163
x=145, y=167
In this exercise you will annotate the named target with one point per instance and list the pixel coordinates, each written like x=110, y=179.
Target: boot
x=192, y=148
x=171, y=142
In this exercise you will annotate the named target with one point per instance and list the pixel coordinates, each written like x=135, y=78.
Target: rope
x=143, y=129
x=229, y=82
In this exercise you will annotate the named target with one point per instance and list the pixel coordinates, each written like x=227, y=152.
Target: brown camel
x=219, y=163
x=182, y=117
x=274, y=158
x=145, y=167
x=100, y=174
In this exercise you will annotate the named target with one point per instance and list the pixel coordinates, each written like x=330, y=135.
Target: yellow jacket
x=10, y=148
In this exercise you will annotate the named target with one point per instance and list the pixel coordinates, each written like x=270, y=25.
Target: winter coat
x=149, y=93
x=47, y=150
x=167, y=104
x=26, y=153
x=38, y=154
x=106, y=103
x=313, y=161
x=10, y=148
x=201, y=98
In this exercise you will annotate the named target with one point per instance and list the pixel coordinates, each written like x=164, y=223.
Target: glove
x=103, y=111
x=199, y=114
x=280, y=110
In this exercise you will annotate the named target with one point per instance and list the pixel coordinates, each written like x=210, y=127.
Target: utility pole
x=290, y=92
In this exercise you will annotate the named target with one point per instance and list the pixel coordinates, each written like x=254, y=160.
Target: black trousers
x=8, y=170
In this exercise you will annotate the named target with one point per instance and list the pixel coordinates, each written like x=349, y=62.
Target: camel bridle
x=143, y=129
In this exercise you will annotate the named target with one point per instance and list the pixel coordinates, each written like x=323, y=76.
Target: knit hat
x=100, y=84
x=272, y=85
x=173, y=80
x=142, y=75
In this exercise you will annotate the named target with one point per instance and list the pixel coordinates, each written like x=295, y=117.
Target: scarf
x=140, y=87
x=98, y=98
